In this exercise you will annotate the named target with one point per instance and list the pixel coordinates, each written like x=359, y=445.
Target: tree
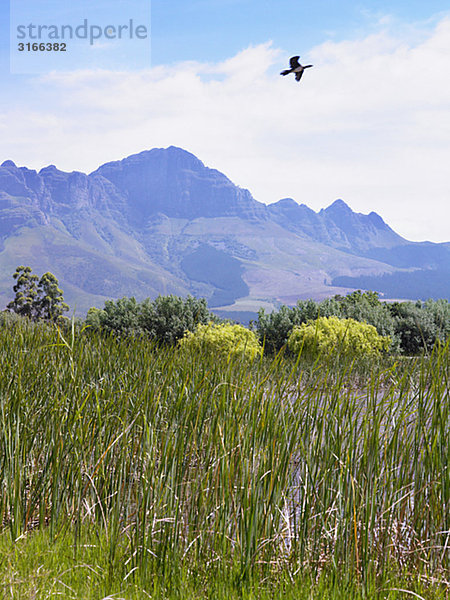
x=37, y=300
x=50, y=300
x=26, y=293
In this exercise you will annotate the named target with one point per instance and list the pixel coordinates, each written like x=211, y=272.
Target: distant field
x=135, y=471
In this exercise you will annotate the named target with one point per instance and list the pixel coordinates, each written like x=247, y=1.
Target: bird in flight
x=296, y=68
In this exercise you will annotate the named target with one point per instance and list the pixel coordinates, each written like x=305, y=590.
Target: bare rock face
x=19, y=199
x=175, y=183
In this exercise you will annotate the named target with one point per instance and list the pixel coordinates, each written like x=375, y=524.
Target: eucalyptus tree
x=37, y=299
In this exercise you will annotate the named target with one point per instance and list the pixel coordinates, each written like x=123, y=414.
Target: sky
x=369, y=123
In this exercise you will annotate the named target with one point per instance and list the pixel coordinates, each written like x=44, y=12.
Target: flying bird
x=296, y=68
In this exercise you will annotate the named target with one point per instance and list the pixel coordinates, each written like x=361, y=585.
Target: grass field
x=134, y=471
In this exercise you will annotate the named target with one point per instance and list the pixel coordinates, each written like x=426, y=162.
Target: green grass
x=133, y=471
x=40, y=567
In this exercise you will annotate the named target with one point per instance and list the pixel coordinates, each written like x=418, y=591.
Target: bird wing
x=294, y=62
x=298, y=75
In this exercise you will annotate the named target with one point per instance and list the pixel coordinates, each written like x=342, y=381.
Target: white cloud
x=370, y=123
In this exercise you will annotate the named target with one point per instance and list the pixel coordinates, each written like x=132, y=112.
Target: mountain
x=177, y=184
x=161, y=222
x=337, y=226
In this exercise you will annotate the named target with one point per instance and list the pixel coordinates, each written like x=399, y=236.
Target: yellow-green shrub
x=345, y=336
x=224, y=339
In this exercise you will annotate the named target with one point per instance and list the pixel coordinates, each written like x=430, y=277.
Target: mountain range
x=161, y=222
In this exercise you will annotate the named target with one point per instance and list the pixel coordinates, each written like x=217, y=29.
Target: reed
x=156, y=468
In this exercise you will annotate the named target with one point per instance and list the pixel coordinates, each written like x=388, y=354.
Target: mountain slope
x=162, y=222
x=337, y=226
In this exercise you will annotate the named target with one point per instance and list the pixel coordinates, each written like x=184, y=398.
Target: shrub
x=223, y=339
x=168, y=318
x=346, y=336
x=95, y=318
x=419, y=325
x=120, y=317
x=364, y=307
x=416, y=326
x=165, y=319
x=274, y=328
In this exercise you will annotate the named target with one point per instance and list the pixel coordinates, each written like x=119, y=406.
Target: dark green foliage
x=95, y=318
x=50, y=300
x=165, y=319
x=274, y=328
x=118, y=316
x=440, y=309
x=37, y=300
x=420, y=325
x=26, y=292
x=404, y=284
x=219, y=269
x=411, y=327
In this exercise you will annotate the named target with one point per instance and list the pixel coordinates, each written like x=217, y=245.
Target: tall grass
x=173, y=463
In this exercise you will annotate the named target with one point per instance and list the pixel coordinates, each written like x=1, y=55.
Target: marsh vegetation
x=135, y=470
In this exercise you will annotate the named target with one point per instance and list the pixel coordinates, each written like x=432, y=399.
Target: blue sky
x=216, y=29
x=370, y=123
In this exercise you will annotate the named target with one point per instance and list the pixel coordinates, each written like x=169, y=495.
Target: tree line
x=411, y=326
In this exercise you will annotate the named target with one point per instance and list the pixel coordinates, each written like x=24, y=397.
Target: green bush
x=223, y=339
x=344, y=336
x=274, y=328
x=165, y=319
x=120, y=316
x=420, y=325
x=364, y=307
x=168, y=318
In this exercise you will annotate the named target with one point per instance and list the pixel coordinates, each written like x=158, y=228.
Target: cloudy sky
x=370, y=123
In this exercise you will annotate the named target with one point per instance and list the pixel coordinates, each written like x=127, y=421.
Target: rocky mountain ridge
x=162, y=222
